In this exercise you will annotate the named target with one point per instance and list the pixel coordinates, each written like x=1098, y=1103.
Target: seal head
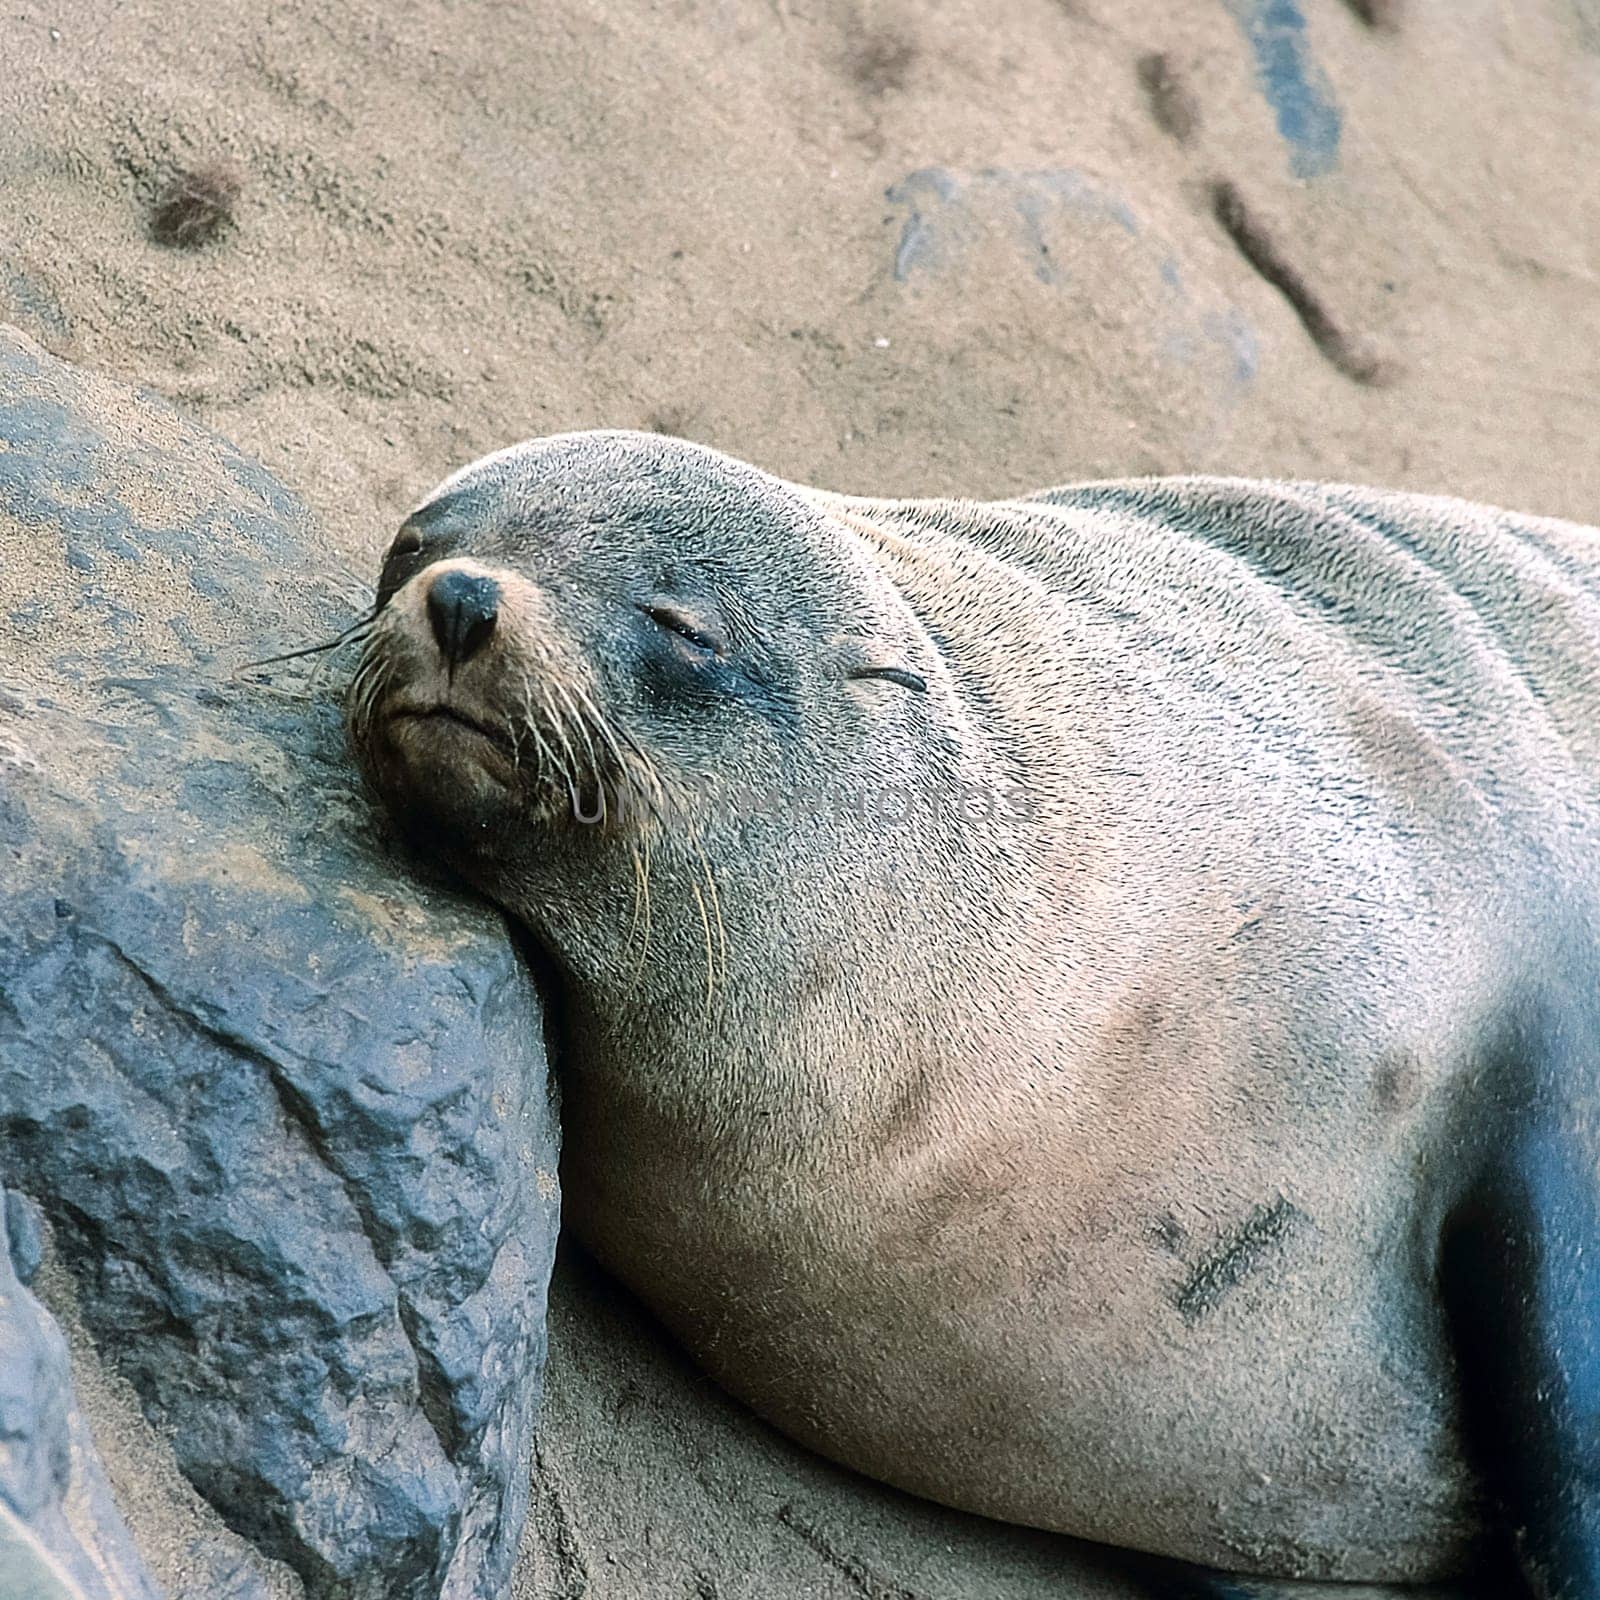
x=585, y=633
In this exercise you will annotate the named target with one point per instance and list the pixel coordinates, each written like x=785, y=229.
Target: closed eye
x=399, y=564
x=900, y=675
x=685, y=626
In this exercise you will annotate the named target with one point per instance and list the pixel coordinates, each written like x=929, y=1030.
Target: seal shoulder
x=1480, y=626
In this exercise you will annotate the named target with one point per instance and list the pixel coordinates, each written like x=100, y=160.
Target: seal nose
x=462, y=608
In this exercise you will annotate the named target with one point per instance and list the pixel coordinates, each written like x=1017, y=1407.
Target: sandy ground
x=886, y=247
x=971, y=247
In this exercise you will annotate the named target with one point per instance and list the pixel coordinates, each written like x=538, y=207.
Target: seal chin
x=440, y=761
x=457, y=734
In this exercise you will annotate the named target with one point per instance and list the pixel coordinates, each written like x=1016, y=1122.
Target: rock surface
x=283, y=1102
x=60, y=1535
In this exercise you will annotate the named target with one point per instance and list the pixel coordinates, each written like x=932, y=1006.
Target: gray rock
x=286, y=1111
x=23, y=1235
x=60, y=1536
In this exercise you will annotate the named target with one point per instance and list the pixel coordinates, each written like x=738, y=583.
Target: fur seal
x=1083, y=1007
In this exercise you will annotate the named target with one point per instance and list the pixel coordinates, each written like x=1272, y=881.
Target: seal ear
x=861, y=657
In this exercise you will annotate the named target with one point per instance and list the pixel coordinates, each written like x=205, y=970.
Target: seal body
x=1067, y=1004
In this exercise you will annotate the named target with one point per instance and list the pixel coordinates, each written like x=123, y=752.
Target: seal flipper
x=1519, y=1273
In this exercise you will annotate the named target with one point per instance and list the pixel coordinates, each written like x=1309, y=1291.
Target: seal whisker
x=357, y=689
x=716, y=909
x=637, y=776
x=548, y=761
x=550, y=716
x=562, y=763
x=558, y=726
x=526, y=729
x=299, y=688
x=371, y=677
x=639, y=752
x=324, y=663
x=640, y=853
x=705, y=925
x=354, y=634
x=515, y=732
x=651, y=787
x=595, y=774
x=377, y=683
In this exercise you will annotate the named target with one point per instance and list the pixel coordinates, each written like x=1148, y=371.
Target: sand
x=888, y=247
x=461, y=224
